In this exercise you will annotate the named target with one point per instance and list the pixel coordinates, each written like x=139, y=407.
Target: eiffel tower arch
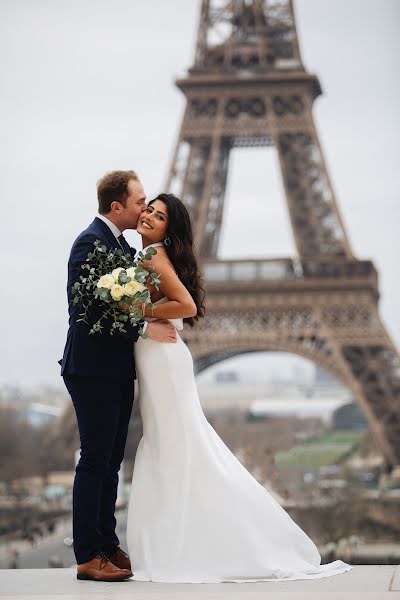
x=248, y=87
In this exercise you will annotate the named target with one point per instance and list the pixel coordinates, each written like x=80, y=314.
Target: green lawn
x=326, y=449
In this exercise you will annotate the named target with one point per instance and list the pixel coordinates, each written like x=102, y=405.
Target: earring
x=167, y=241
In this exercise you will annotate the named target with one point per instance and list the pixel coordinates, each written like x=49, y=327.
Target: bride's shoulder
x=160, y=259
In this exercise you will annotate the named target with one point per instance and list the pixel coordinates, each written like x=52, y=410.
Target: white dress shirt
x=116, y=233
x=114, y=229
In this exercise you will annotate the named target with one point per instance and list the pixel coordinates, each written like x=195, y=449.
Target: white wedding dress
x=195, y=514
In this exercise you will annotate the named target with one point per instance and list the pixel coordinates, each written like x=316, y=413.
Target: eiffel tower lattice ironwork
x=248, y=87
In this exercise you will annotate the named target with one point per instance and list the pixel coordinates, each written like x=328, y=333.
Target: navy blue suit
x=99, y=354
x=99, y=372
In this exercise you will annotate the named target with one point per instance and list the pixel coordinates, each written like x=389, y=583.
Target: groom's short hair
x=113, y=187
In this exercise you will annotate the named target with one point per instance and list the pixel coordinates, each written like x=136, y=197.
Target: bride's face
x=153, y=222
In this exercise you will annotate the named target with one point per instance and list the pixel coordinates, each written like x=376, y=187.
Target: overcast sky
x=87, y=86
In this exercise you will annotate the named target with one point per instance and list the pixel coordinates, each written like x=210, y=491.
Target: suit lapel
x=106, y=232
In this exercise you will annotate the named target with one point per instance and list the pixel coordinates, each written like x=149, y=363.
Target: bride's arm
x=180, y=303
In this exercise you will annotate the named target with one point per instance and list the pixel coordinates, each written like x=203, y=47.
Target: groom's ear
x=116, y=207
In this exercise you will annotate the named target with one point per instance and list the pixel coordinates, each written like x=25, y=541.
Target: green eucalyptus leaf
x=123, y=278
x=104, y=294
x=143, y=296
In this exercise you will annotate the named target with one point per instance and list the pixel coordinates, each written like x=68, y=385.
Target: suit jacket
x=100, y=354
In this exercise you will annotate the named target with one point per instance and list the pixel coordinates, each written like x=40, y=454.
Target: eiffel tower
x=248, y=87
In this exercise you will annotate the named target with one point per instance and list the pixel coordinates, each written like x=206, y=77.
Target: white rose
x=106, y=281
x=117, y=291
x=116, y=273
x=131, y=272
x=132, y=287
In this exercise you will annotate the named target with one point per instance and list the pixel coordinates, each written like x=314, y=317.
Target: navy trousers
x=103, y=409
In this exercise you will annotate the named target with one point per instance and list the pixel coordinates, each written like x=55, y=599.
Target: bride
x=195, y=514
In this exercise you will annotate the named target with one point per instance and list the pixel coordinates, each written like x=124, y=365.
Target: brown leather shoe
x=100, y=568
x=121, y=560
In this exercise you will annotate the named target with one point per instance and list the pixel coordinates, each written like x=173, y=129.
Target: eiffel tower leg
x=186, y=175
x=210, y=215
x=198, y=175
x=369, y=366
x=375, y=367
x=315, y=219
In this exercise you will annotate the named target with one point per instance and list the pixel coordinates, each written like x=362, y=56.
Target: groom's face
x=135, y=205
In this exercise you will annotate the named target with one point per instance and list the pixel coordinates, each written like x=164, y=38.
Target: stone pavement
x=373, y=582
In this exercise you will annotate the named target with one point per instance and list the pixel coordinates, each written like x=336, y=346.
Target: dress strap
x=153, y=245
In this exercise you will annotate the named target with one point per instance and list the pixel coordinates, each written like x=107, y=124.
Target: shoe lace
x=103, y=559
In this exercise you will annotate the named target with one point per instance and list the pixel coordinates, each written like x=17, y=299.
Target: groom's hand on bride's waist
x=161, y=331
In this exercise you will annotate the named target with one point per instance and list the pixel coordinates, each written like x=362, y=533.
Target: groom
x=99, y=372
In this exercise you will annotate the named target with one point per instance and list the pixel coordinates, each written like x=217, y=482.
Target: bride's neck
x=145, y=242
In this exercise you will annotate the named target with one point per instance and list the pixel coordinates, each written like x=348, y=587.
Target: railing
x=340, y=268
x=248, y=270
x=284, y=269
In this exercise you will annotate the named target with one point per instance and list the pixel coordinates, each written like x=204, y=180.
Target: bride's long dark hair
x=180, y=251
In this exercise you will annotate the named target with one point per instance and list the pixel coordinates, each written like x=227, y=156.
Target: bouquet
x=114, y=288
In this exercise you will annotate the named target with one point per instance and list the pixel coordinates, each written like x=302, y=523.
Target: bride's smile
x=153, y=223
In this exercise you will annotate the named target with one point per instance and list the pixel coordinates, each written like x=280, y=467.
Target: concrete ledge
x=362, y=582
